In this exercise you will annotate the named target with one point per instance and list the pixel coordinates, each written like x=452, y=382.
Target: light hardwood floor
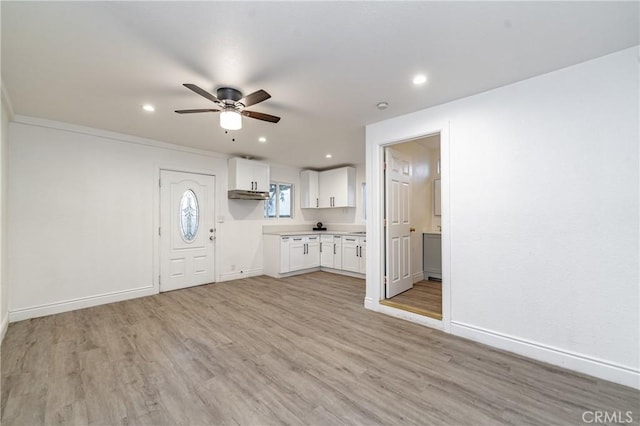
x=261, y=351
x=424, y=298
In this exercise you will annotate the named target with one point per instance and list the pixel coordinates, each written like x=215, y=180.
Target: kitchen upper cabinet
x=354, y=251
x=337, y=187
x=248, y=175
x=328, y=188
x=309, y=189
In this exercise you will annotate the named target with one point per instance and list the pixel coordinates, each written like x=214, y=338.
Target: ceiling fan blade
x=255, y=98
x=190, y=111
x=261, y=116
x=201, y=92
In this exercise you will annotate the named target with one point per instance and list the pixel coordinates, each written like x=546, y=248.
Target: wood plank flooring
x=425, y=298
x=261, y=351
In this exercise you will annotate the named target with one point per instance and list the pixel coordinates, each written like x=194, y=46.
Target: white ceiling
x=326, y=64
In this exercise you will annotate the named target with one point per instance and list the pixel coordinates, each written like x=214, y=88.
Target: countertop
x=328, y=232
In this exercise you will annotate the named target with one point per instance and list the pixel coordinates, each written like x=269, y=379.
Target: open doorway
x=413, y=245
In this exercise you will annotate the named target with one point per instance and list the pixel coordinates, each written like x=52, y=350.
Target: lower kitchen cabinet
x=304, y=253
x=284, y=255
x=354, y=254
x=331, y=251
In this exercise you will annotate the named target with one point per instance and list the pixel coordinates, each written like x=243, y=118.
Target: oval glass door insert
x=189, y=215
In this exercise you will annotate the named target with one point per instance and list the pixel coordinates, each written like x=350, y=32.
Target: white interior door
x=187, y=230
x=397, y=208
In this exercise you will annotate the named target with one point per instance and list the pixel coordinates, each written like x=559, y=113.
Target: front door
x=187, y=231
x=397, y=214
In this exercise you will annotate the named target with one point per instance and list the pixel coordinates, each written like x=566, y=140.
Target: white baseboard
x=236, y=275
x=418, y=276
x=573, y=361
x=79, y=303
x=3, y=327
x=368, y=303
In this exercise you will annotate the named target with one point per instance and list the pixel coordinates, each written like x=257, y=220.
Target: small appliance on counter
x=319, y=227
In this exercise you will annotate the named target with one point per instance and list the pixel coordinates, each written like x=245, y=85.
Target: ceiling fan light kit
x=230, y=120
x=231, y=106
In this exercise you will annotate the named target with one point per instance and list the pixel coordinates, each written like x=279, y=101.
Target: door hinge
x=384, y=222
x=385, y=166
x=385, y=280
x=158, y=231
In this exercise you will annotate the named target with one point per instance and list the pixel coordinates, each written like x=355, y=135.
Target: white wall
x=6, y=115
x=542, y=181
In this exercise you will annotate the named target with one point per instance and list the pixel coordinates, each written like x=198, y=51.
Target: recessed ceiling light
x=419, y=79
x=328, y=156
x=382, y=105
x=262, y=139
x=148, y=107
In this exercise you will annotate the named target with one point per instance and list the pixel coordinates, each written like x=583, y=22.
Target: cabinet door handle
x=320, y=247
x=334, y=249
x=317, y=202
x=359, y=251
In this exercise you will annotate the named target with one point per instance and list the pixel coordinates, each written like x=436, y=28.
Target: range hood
x=242, y=194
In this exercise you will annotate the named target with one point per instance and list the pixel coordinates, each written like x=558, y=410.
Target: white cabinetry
x=329, y=188
x=304, y=253
x=309, y=189
x=284, y=248
x=248, y=175
x=354, y=254
x=337, y=187
x=331, y=251
x=289, y=254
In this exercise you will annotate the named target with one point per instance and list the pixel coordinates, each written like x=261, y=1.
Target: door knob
x=212, y=238
x=412, y=229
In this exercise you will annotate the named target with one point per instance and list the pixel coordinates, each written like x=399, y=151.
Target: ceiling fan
x=231, y=106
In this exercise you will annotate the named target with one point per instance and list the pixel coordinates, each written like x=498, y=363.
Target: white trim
x=121, y=137
x=3, y=327
x=237, y=275
x=7, y=101
x=566, y=359
x=79, y=303
x=418, y=276
x=375, y=229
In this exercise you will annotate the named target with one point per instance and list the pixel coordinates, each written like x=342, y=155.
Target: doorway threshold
x=412, y=309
